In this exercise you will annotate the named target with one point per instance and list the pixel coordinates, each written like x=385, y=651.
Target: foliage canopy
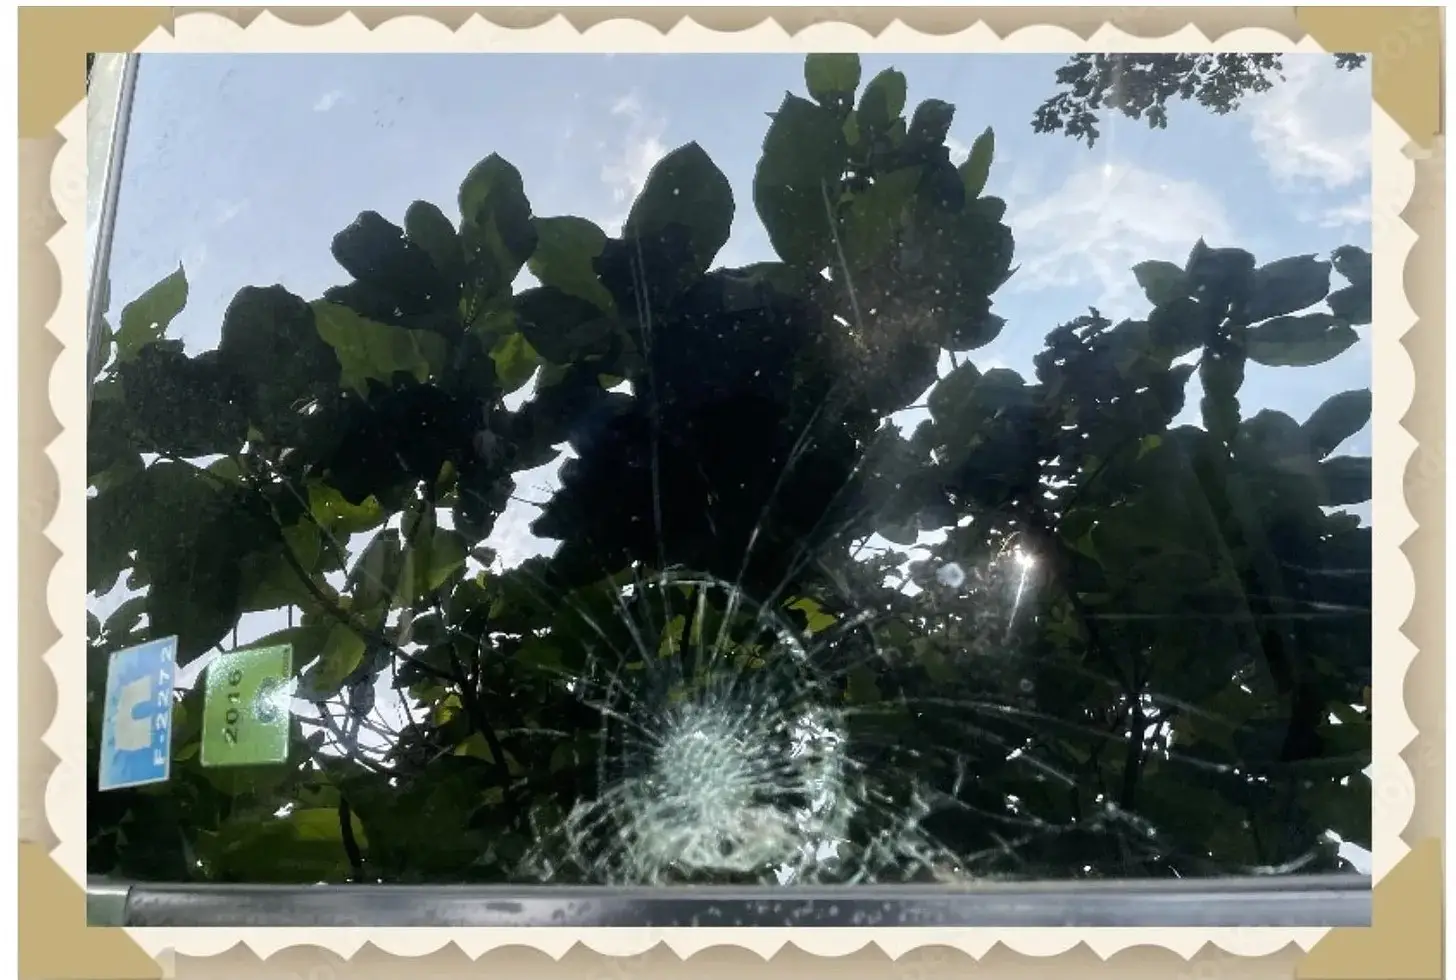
x=1138, y=648
x=1141, y=86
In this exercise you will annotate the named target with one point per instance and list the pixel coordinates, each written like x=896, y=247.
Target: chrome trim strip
x=1283, y=902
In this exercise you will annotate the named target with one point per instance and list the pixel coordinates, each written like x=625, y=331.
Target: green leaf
x=1299, y=341
x=191, y=539
x=1347, y=480
x=687, y=189
x=930, y=124
x=804, y=156
x=1351, y=305
x=515, y=361
x=563, y=328
x=954, y=395
x=875, y=217
x=817, y=619
x=1288, y=286
x=1161, y=282
x=273, y=582
x=495, y=229
x=1180, y=325
x=904, y=533
x=1339, y=418
x=377, y=574
x=1353, y=265
x=124, y=619
x=565, y=250
x=426, y=226
x=832, y=78
x=476, y=747
x=882, y=102
x=184, y=406
x=990, y=208
x=1346, y=809
x=339, y=517
x=270, y=339
x=367, y=349
x=109, y=544
x=343, y=651
x=1219, y=275
x=145, y=319
x=977, y=168
x=390, y=270
x=430, y=563
x=306, y=845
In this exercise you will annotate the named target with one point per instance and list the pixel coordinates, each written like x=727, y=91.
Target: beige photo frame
x=1408, y=146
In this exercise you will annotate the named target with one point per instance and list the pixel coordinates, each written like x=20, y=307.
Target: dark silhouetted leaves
x=427, y=227
x=563, y=328
x=930, y=125
x=797, y=180
x=184, y=406
x=1223, y=277
x=270, y=341
x=1339, y=418
x=882, y=102
x=1288, y=286
x=1347, y=480
x=1353, y=264
x=990, y=208
x=377, y=253
x=1162, y=282
x=1181, y=325
x=1351, y=304
x=874, y=219
x=496, y=231
x=832, y=79
x=1300, y=341
x=687, y=190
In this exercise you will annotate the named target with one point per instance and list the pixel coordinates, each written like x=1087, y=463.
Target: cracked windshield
x=734, y=469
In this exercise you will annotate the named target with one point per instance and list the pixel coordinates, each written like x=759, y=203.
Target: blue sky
x=243, y=168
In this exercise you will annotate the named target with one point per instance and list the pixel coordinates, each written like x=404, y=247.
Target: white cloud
x=630, y=160
x=327, y=101
x=230, y=210
x=1354, y=213
x=1103, y=220
x=958, y=151
x=1314, y=127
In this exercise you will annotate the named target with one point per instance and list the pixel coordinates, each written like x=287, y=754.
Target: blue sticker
x=136, y=721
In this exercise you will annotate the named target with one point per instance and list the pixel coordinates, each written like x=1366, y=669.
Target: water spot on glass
x=950, y=575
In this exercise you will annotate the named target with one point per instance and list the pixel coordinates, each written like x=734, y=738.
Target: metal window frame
x=1312, y=901
x=110, y=91
x=1304, y=901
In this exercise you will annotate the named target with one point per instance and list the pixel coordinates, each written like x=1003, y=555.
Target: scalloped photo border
x=1408, y=419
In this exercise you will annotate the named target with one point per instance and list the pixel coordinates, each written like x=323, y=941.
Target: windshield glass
x=733, y=469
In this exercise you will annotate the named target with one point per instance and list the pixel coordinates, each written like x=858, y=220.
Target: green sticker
x=245, y=718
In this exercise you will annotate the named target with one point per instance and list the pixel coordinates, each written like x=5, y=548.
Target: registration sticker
x=245, y=714
x=136, y=720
